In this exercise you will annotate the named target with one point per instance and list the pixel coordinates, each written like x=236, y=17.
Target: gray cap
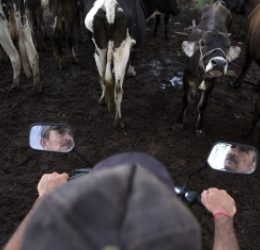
x=123, y=207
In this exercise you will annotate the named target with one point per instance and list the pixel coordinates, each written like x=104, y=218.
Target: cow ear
x=189, y=48
x=233, y=53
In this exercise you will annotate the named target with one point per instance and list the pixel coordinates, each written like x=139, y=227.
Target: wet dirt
x=150, y=112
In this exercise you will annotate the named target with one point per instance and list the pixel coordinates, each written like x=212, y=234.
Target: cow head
x=215, y=52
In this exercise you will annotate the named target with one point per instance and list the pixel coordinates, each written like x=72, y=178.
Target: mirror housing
x=233, y=158
x=51, y=137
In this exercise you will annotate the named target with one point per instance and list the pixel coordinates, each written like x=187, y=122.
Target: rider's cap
x=125, y=205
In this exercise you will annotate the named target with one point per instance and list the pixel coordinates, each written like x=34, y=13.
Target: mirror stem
x=195, y=173
x=76, y=152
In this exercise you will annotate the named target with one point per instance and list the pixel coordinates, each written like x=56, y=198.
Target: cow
x=158, y=8
x=15, y=29
x=151, y=7
x=115, y=26
x=252, y=9
x=166, y=18
x=209, y=51
x=253, y=35
x=66, y=27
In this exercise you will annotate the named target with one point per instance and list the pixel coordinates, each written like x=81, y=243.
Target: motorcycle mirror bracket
x=81, y=157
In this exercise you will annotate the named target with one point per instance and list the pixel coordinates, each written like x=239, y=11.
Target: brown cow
x=66, y=27
x=252, y=9
x=35, y=14
x=209, y=50
x=253, y=37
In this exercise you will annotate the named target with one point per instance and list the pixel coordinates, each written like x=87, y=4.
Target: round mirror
x=51, y=137
x=233, y=157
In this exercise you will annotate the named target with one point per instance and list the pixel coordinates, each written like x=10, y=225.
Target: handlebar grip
x=79, y=172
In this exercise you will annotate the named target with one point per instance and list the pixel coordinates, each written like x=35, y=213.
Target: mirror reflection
x=232, y=157
x=54, y=138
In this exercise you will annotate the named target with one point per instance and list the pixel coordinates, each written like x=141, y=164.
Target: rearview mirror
x=51, y=137
x=233, y=158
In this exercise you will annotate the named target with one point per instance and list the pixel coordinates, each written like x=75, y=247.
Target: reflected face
x=60, y=141
x=239, y=159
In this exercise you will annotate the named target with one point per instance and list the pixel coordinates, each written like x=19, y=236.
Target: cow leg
x=32, y=55
x=203, y=104
x=186, y=100
x=157, y=23
x=248, y=131
x=100, y=59
x=247, y=62
x=100, y=42
x=166, y=22
x=40, y=28
x=9, y=48
x=131, y=70
x=72, y=42
x=121, y=57
x=57, y=39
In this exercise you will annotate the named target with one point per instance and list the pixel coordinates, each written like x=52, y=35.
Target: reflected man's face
x=239, y=159
x=58, y=141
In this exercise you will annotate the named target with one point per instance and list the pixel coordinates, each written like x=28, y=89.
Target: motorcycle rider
x=240, y=159
x=126, y=202
x=56, y=138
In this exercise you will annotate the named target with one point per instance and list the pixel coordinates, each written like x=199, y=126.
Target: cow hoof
x=246, y=132
x=75, y=61
x=119, y=123
x=178, y=125
x=37, y=88
x=16, y=83
x=15, y=86
x=101, y=100
x=109, y=109
x=131, y=71
x=200, y=133
x=235, y=85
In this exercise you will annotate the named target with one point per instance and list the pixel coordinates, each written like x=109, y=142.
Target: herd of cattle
x=116, y=28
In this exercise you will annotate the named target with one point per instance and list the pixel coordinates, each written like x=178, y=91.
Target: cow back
x=133, y=11
x=215, y=17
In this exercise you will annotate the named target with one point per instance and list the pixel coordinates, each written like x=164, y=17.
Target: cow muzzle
x=216, y=67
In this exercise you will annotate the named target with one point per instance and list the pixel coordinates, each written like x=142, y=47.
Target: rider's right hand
x=48, y=182
x=218, y=202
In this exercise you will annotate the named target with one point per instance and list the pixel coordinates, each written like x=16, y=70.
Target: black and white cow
x=115, y=27
x=15, y=28
x=209, y=50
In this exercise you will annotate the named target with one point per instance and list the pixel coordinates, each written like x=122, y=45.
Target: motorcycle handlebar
x=189, y=196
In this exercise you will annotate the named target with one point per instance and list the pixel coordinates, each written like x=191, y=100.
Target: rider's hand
x=48, y=182
x=218, y=202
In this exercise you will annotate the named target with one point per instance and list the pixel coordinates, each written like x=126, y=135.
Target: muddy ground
x=150, y=108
